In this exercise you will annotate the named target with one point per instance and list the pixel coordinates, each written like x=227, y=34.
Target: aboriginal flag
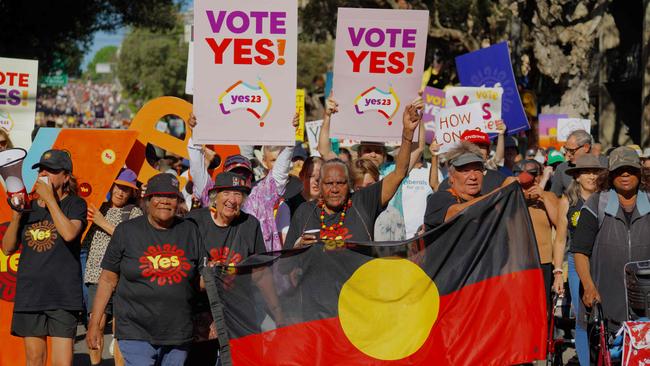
x=467, y=293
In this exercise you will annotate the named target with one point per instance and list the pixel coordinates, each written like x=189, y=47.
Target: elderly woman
x=340, y=214
x=121, y=206
x=585, y=175
x=613, y=230
x=48, y=289
x=152, y=263
x=230, y=236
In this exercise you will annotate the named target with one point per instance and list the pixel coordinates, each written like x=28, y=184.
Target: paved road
x=81, y=357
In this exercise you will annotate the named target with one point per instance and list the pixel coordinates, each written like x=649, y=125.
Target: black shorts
x=53, y=323
x=92, y=291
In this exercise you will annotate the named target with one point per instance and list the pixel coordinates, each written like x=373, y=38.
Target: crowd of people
x=145, y=247
x=82, y=104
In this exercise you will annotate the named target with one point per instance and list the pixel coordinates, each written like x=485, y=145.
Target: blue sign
x=491, y=66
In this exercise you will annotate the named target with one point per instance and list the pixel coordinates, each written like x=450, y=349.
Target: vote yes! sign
x=245, y=54
x=378, y=66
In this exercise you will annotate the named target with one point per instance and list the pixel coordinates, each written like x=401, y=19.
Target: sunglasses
x=571, y=151
x=3, y=143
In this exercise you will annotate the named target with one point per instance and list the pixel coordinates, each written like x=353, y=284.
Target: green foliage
x=108, y=55
x=314, y=58
x=319, y=16
x=52, y=31
x=153, y=63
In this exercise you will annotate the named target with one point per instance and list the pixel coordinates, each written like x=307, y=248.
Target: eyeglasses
x=571, y=151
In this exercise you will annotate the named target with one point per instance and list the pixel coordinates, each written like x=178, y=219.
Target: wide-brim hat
x=585, y=162
x=356, y=147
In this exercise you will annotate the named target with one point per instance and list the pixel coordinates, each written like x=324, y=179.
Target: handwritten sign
x=312, y=129
x=452, y=122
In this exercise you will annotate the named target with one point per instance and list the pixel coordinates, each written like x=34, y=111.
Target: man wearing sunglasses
x=578, y=143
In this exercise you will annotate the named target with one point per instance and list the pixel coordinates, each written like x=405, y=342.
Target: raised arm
x=416, y=154
x=410, y=120
x=500, y=152
x=324, y=147
x=434, y=148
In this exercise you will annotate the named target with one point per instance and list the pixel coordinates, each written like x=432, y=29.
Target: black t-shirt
x=437, y=205
x=491, y=181
x=229, y=245
x=158, y=272
x=358, y=224
x=585, y=233
x=49, y=274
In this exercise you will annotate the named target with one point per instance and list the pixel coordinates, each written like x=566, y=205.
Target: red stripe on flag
x=499, y=321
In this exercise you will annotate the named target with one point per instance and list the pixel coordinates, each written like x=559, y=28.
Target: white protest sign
x=489, y=98
x=567, y=125
x=450, y=123
x=312, y=129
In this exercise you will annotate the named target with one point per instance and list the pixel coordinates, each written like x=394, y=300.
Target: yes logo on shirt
x=225, y=256
x=41, y=236
x=165, y=265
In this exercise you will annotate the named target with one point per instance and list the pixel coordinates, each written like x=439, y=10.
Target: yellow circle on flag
x=388, y=307
x=108, y=156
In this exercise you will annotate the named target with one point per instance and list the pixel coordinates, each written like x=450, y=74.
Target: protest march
x=225, y=190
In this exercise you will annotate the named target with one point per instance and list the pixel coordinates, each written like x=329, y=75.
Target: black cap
x=163, y=183
x=231, y=181
x=55, y=160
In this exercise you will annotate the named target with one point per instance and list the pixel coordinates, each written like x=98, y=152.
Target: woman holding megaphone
x=48, y=288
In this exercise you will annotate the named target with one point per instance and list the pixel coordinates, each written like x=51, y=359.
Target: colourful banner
x=18, y=84
x=489, y=98
x=547, y=127
x=245, y=58
x=300, y=109
x=490, y=67
x=452, y=122
x=378, y=64
x=97, y=157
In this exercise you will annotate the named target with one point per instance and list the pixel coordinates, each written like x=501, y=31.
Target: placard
x=300, y=109
x=378, y=64
x=452, y=122
x=245, y=56
x=547, y=130
x=489, y=98
x=18, y=85
x=567, y=125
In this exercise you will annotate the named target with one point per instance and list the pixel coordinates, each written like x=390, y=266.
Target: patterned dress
x=97, y=240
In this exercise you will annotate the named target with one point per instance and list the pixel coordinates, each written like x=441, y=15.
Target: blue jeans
x=83, y=257
x=582, y=341
x=141, y=353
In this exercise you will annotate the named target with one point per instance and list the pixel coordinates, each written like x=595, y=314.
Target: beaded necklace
x=334, y=228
